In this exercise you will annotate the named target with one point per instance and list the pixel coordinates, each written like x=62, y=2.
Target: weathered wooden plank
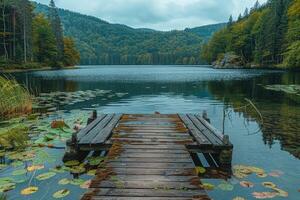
x=153, y=160
x=89, y=127
x=215, y=131
x=174, y=151
x=205, y=131
x=158, y=136
x=154, y=177
x=154, y=146
x=162, y=172
x=87, y=139
x=200, y=138
x=148, y=192
x=142, y=140
x=105, y=133
x=137, y=130
x=153, y=184
x=188, y=165
x=145, y=198
x=153, y=155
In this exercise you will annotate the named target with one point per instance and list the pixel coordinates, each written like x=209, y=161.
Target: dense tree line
x=33, y=40
x=267, y=35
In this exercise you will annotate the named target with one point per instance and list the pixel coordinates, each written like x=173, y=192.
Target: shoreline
x=34, y=69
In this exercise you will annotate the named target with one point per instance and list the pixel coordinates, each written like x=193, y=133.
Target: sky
x=159, y=14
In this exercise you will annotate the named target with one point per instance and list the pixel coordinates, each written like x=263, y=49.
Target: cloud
x=159, y=14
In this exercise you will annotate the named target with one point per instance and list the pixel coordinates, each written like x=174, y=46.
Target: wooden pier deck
x=151, y=157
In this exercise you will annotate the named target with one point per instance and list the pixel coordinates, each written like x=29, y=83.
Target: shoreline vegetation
x=265, y=35
x=15, y=99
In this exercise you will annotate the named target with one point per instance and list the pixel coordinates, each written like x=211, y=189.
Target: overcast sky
x=158, y=14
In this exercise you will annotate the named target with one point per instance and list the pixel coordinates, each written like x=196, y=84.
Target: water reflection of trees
x=280, y=112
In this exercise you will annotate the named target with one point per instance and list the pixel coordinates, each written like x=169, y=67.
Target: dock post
x=72, y=150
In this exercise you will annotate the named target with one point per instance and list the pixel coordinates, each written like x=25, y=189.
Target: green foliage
x=14, y=99
x=45, y=49
x=32, y=41
x=57, y=30
x=71, y=55
x=267, y=35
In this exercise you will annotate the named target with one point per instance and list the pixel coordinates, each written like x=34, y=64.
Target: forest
x=30, y=40
x=100, y=42
x=265, y=36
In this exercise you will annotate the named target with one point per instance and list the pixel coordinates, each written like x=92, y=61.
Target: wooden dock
x=152, y=157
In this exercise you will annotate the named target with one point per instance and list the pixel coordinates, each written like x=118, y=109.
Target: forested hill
x=100, y=42
x=266, y=35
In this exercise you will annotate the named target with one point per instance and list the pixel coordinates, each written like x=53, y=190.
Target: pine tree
x=230, y=21
x=240, y=17
x=246, y=13
x=57, y=30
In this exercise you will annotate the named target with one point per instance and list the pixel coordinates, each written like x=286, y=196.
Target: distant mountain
x=100, y=42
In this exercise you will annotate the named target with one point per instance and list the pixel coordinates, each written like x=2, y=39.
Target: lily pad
x=86, y=184
x=92, y=172
x=281, y=192
x=19, y=172
x=77, y=181
x=64, y=181
x=45, y=176
x=95, y=160
x=17, y=164
x=225, y=186
x=208, y=186
x=77, y=170
x=238, y=198
x=7, y=187
x=269, y=185
x=72, y=163
x=61, y=194
x=29, y=190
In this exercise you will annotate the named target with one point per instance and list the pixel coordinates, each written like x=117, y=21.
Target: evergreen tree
x=57, y=30
x=45, y=49
x=246, y=13
x=240, y=17
x=230, y=21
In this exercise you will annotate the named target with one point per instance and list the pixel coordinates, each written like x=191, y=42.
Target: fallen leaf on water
x=45, y=176
x=61, y=194
x=200, y=170
x=269, y=185
x=246, y=184
x=29, y=190
x=264, y=195
x=86, y=184
x=35, y=167
x=262, y=175
x=276, y=173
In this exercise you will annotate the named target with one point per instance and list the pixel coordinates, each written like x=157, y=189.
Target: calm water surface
x=275, y=145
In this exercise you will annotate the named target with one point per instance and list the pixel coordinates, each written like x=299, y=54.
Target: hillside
x=269, y=35
x=206, y=32
x=100, y=42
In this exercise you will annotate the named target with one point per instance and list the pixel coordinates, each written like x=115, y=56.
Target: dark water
x=273, y=145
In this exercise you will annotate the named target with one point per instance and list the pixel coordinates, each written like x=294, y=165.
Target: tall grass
x=14, y=99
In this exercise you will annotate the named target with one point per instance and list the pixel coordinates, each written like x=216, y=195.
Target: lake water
x=271, y=144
